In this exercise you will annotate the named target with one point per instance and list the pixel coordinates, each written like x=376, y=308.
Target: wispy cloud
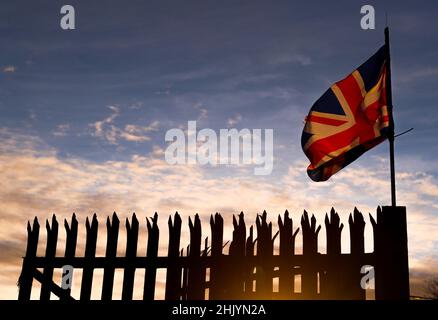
x=61, y=130
x=108, y=131
x=231, y=122
x=193, y=74
x=203, y=112
x=138, y=133
x=37, y=182
x=408, y=76
x=291, y=58
x=9, y=69
x=99, y=125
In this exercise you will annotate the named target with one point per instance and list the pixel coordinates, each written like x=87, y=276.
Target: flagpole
x=391, y=119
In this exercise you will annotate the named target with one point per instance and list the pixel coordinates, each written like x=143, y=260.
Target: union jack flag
x=350, y=118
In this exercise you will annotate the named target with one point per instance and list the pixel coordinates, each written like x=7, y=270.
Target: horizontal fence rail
x=250, y=270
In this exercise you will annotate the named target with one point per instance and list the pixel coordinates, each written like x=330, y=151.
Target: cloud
x=36, y=182
x=203, y=112
x=32, y=115
x=293, y=58
x=61, y=130
x=11, y=251
x=427, y=186
x=108, y=131
x=231, y=122
x=194, y=74
x=137, y=133
x=165, y=92
x=99, y=125
x=9, y=69
x=407, y=76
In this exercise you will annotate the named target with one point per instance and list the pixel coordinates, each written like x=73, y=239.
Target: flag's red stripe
x=332, y=122
x=351, y=91
x=323, y=147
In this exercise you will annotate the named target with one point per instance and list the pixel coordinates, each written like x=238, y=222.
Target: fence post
x=173, y=275
x=26, y=276
x=112, y=235
x=195, y=282
x=391, y=251
x=151, y=253
x=131, y=253
x=287, y=249
x=217, y=277
x=309, y=279
x=70, y=246
x=378, y=230
x=357, y=248
x=52, y=239
x=90, y=252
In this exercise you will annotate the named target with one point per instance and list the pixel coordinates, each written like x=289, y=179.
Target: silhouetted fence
x=250, y=270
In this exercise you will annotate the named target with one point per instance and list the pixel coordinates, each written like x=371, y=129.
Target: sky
x=84, y=113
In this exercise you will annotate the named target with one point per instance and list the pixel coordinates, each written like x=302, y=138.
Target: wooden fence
x=250, y=270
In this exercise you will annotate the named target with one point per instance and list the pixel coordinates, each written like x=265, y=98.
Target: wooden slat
x=309, y=277
x=88, y=261
x=26, y=276
x=70, y=246
x=52, y=240
x=151, y=253
x=195, y=281
x=131, y=252
x=55, y=289
x=173, y=275
x=112, y=235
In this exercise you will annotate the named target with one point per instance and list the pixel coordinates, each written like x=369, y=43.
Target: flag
x=350, y=118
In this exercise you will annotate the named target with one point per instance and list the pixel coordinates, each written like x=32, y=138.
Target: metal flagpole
x=391, y=119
